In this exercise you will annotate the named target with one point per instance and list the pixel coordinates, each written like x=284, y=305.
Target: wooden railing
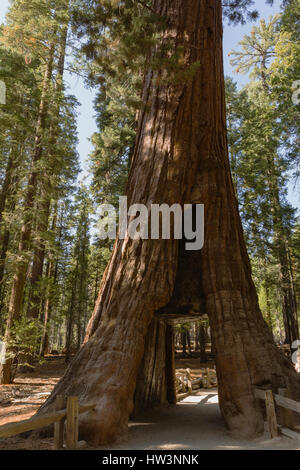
x=67, y=410
x=187, y=385
x=287, y=409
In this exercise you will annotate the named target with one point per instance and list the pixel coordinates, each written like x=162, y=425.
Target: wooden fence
x=287, y=409
x=67, y=410
x=186, y=384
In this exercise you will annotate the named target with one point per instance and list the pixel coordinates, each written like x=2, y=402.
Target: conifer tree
x=266, y=153
x=38, y=40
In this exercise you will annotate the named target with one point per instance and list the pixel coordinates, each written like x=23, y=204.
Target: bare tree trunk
x=197, y=332
x=70, y=322
x=183, y=343
x=180, y=157
x=53, y=272
x=188, y=339
x=202, y=335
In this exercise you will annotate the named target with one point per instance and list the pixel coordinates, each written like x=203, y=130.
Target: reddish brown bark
x=151, y=385
x=180, y=157
x=52, y=276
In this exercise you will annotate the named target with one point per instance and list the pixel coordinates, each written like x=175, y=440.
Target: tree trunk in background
x=19, y=279
x=180, y=157
x=8, y=193
x=53, y=272
x=4, y=248
x=70, y=319
x=202, y=338
x=188, y=339
x=6, y=187
x=43, y=208
x=34, y=300
x=268, y=305
x=183, y=343
x=47, y=312
x=197, y=333
x=290, y=319
x=289, y=307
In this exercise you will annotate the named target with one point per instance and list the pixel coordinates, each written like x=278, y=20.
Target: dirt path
x=28, y=392
x=193, y=424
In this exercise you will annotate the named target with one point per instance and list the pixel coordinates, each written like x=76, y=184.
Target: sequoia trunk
x=180, y=157
x=151, y=386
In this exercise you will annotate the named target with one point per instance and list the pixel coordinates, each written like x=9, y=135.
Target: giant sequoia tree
x=180, y=157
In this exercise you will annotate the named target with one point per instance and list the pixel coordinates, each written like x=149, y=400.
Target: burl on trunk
x=180, y=157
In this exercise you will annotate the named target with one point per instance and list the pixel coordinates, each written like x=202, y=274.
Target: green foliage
x=257, y=49
x=25, y=338
x=263, y=146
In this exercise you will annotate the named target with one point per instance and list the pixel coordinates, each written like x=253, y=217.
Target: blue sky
x=86, y=122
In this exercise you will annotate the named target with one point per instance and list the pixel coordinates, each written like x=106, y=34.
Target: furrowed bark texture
x=151, y=385
x=180, y=157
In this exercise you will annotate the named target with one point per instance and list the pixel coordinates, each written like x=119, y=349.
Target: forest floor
x=23, y=398
x=193, y=424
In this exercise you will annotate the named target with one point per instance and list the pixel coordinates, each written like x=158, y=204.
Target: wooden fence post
x=208, y=378
x=286, y=416
x=189, y=381
x=60, y=404
x=271, y=414
x=72, y=422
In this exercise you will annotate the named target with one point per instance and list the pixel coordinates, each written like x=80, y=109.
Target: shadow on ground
x=193, y=424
